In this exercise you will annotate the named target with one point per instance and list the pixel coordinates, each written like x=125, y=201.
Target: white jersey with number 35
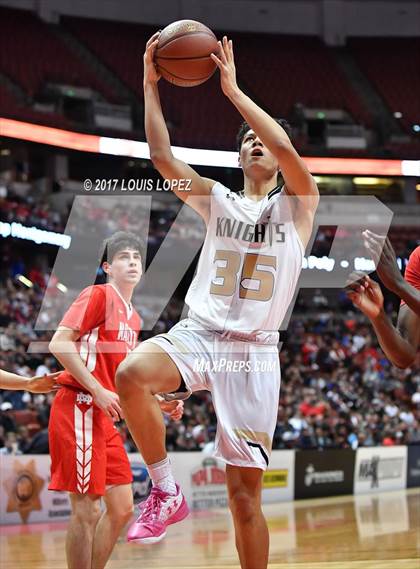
x=249, y=265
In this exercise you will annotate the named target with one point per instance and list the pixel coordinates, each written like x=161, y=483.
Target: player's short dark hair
x=244, y=128
x=120, y=241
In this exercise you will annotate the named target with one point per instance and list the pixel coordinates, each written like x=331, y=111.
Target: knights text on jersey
x=249, y=265
x=109, y=329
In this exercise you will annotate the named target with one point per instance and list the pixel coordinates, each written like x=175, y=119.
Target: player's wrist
x=380, y=316
x=96, y=390
x=150, y=82
x=234, y=94
x=399, y=286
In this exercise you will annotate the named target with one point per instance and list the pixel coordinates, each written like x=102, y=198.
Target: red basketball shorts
x=87, y=452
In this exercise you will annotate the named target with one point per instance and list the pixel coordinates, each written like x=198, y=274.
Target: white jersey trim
x=88, y=348
x=128, y=306
x=83, y=422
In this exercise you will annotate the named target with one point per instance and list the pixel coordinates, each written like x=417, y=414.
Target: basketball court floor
x=380, y=531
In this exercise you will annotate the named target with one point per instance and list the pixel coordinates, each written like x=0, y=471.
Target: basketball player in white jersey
x=245, y=280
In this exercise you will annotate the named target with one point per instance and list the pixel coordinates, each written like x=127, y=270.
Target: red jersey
x=109, y=330
x=412, y=270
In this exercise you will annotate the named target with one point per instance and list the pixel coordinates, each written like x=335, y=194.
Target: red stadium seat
x=31, y=55
x=392, y=65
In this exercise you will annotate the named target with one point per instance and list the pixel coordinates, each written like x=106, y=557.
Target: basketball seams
x=183, y=53
x=183, y=35
x=186, y=81
x=183, y=58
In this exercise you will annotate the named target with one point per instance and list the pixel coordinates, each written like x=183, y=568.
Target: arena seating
x=10, y=108
x=334, y=372
x=202, y=116
x=278, y=71
x=284, y=70
x=31, y=55
x=381, y=61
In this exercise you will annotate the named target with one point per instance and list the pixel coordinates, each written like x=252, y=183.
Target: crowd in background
x=338, y=390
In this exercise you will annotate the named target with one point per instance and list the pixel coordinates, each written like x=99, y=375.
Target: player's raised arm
x=157, y=136
x=297, y=177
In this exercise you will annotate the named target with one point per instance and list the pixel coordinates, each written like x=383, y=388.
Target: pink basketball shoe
x=157, y=512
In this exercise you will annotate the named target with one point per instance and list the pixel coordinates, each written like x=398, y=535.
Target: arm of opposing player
x=411, y=296
x=399, y=344
x=197, y=194
x=408, y=325
x=38, y=384
x=387, y=269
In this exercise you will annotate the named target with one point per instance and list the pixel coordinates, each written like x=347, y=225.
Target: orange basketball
x=183, y=53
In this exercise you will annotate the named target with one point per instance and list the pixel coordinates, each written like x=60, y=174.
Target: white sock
x=161, y=475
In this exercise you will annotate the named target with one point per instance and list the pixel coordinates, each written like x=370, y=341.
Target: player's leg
x=78, y=465
x=244, y=438
x=251, y=532
x=85, y=514
x=144, y=372
x=118, y=512
x=149, y=370
x=118, y=496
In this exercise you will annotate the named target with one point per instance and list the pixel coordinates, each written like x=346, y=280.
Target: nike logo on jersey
x=258, y=233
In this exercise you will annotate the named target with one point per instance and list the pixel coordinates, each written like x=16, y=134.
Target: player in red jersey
x=88, y=458
x=399, y=343
x=383, y=254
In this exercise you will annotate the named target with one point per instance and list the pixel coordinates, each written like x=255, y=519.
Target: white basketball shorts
x=244, y=380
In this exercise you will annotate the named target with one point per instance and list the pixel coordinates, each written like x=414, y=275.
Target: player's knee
x=244, y=506
x=129, y=376
x=121, y=514
x=87, y=511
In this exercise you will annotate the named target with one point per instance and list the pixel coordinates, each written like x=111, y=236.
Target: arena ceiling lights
x=196, y=156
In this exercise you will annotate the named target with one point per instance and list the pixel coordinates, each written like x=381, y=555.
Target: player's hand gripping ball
x=182, y=55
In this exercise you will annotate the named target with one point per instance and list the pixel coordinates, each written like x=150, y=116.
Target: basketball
x=183, y=53
x=278, y=327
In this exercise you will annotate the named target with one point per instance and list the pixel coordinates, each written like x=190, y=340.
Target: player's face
x=255, y=158
x=125, y=267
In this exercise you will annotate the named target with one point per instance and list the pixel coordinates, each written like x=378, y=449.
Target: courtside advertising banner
x=413, y=466
x=279, y=478
x=24, y=494
x=380, y=468
x=203, y=478
x=323, y=473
